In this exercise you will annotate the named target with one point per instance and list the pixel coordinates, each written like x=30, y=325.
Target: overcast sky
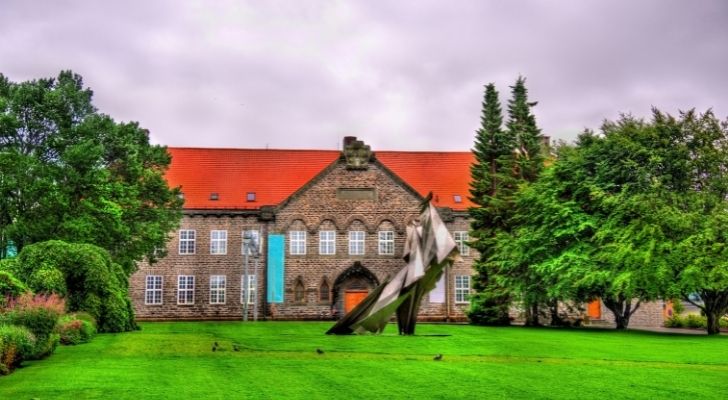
x=404, y=75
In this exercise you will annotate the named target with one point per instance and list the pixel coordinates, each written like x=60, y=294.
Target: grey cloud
x=400, y=75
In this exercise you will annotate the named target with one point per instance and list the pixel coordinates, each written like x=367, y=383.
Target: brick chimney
x=349, y=140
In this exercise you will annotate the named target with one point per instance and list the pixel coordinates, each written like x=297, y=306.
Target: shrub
x=38, y=313
x=674, y=322
x=88, y=277
x=17, y=343
x=693, y=321
x=10, y=286
x=74, y=330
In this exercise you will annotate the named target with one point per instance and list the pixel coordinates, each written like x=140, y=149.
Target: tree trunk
x=556, y=319
x=532, y=314
x=715, y=305
x=713, y=325
x=622, y=310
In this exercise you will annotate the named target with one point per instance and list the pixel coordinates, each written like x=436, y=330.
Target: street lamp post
x=250, y=245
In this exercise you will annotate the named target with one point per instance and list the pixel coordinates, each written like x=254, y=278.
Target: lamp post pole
x=255, y=298
x=247, y=238
x=250, y=245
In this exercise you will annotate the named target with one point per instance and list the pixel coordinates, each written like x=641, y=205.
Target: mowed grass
x=278, y=360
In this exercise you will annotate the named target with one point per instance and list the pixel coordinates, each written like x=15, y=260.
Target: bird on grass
x=214, y=346
x=319, y=351
x=437, y=357
x=236, y=347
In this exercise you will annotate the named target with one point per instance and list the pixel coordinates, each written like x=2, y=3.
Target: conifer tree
x=522, y=127
x=528, y=162
x=491, y=188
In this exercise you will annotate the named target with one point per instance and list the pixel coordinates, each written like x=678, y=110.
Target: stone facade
x=340, y=200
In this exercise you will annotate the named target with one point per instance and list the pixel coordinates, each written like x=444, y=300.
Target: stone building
x=329, y=227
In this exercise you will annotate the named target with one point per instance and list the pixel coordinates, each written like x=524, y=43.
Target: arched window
x=299, y=292
x=324, y=292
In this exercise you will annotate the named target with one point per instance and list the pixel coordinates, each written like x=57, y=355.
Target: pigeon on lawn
x=437, y=357
x=319, y=351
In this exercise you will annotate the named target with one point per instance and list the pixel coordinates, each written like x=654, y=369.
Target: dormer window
x=250, y=196
x=457, y=198
x=214, y=196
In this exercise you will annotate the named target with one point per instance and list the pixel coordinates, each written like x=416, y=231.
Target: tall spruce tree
x=522, y=127
x=492, y=187
x=528, y=161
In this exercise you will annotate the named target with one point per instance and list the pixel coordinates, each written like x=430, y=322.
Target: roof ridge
x=321, y=150
x=246, y=148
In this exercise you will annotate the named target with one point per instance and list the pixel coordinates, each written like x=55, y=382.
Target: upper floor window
x=461, y=238
x=386, y=243
x=187, y=241
x=256, y=242
x=185, y=289
x=327, y=242
x=218, y=242
x=217, y=289
x=153, y=290
x=462, y=288
x=297, y=242
x=356, y=243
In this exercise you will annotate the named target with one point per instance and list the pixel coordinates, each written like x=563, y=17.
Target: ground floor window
x=186, y=289
x=248, y=291
x=153, y=292
x=462, y=288
x=217, y=289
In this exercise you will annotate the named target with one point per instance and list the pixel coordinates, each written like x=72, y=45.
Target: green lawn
x=278, y=360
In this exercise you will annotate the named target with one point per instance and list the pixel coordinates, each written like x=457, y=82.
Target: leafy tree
x=632, y=215
x=72, y=173
x=491, y=188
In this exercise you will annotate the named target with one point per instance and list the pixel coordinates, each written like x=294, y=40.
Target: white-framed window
x=254, y=237
x=356, y=243
x=327, y=242
x=461, y=238
x=386, y=243
x=297, y=242
x=218, y=242
x=462, y=288
x=217, y=289
x=187, y=241
x=185, y=289
x=248, y=291
x=153, y=290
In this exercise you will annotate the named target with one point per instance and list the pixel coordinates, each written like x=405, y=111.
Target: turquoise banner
x=276, y=263
x=10, y=251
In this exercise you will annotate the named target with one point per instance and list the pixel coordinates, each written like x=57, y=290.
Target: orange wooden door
x=594, y=309
x=352, y=298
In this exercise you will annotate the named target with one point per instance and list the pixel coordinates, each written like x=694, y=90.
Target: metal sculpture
x=429, y=249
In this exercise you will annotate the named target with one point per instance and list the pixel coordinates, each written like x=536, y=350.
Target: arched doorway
x=351, y=287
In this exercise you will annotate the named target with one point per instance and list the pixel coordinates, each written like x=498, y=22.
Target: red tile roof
x=445, y=174
x=273, y=175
